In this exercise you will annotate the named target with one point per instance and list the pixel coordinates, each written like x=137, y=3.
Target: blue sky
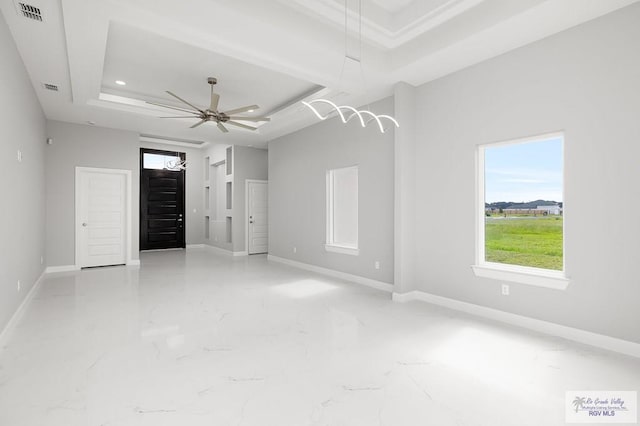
x=524, y=172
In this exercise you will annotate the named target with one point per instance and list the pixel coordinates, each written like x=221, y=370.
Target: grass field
x=524, y=241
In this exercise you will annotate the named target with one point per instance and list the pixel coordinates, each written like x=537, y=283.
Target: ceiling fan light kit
x=212, y=113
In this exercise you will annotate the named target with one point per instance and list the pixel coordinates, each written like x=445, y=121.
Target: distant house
x=554, y=210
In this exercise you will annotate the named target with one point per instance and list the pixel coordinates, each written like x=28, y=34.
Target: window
x=342, y=210
x=521, y=211
x=160, y=161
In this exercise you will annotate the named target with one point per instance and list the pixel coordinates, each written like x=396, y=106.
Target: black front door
x=162, y=217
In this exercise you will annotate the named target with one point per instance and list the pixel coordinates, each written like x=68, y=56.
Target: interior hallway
x=198, y=338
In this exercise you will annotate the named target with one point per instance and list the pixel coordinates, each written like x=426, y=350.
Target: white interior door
x=101, y=218
x=258, y=231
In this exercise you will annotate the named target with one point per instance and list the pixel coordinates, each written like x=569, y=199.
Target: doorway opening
x=162, y=200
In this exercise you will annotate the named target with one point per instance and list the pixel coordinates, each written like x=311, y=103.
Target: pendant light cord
x=364, y=81
x=364, y=116
x=346, y=43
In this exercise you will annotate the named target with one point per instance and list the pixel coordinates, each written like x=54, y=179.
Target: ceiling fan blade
x=243, y=109
x=172, y=107
x=182, y=100
x=250, y=118
x=181, y=116
x=244, y=126
x=222, y=128
x=198, y=123
x=215, y=98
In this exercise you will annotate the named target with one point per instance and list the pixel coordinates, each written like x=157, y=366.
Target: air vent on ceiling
x=30, y=12
x=50, y=86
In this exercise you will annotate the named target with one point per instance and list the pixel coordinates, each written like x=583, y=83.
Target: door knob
x=84, y=224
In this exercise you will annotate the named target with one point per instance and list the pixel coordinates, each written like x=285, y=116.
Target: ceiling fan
x=212, y=114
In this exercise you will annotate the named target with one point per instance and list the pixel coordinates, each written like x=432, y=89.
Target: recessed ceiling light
x=91, y=122
x=251, y=110
x=121, y=83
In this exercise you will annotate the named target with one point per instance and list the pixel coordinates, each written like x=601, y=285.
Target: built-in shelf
x=229, y=160
x=218, y=198
x=229, y=222
x=207, y=198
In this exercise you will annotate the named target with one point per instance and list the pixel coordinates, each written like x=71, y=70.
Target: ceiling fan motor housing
x=213, y=114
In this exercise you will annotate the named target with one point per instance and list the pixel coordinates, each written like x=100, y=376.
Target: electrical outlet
x=19, y=156
x=505, y=289
x=42, y=260
x=295, y=249
x=377, y=265
x=19, y=286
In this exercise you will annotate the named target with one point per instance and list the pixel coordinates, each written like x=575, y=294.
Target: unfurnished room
x=319, y=212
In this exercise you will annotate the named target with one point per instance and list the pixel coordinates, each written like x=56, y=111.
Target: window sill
x=342, y=249
x=521, y=274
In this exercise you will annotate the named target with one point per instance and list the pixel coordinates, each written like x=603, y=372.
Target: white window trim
x=557, y=280
x=330, y=246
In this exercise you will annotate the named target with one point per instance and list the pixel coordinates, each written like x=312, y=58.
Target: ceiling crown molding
x=383, y=28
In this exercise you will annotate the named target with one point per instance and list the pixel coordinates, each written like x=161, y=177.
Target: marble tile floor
x=196, y=338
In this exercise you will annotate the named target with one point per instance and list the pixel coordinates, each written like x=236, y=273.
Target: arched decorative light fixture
x=353, y=111
x=176, y=165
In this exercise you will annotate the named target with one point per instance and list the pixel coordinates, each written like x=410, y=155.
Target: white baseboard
x=133, y=262
x=581, y=336
x=218, y=250
x=17, y=315
x=379, y=285
x=63, y=268
x=195, y=246
x=225, y=251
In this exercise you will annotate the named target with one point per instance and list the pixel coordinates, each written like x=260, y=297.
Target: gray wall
x=586, y=82
x=85, y=146
x=22, y=127
x=248, y=163
x=194, y=196
x=297, y=194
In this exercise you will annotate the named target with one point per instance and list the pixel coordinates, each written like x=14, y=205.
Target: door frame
x=128, y=210
x=183, y=157
x=246, y=209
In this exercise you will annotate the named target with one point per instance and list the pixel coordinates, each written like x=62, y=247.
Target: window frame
x=152, y=151
x=330, y=244
x=539, y=277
